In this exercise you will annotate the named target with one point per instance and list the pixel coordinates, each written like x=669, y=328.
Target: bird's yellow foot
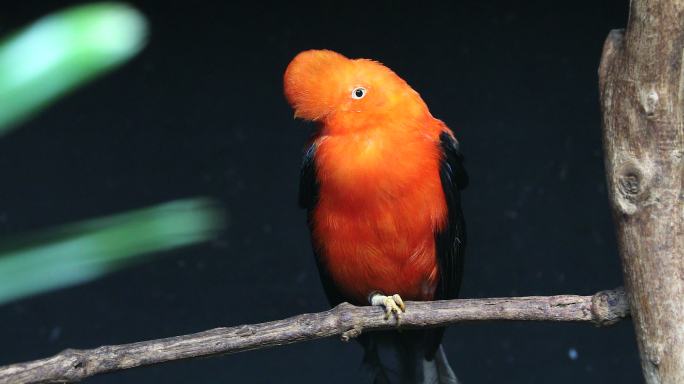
x=393, y=304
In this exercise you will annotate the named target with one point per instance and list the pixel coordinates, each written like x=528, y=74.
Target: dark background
x=201, y=112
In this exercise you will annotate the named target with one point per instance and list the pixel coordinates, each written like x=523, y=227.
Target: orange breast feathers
x=377, y=166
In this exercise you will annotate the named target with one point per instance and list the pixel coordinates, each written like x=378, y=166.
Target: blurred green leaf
x=79, y=252
x=61, y=51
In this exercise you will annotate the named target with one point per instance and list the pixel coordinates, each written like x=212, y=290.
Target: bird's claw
x=392, y=304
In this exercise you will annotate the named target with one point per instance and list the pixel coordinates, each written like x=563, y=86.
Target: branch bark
x=601, y=309
x=641, y=81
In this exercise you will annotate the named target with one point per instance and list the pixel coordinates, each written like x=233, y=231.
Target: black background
x=201, y=112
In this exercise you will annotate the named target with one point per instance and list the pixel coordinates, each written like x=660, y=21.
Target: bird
x=381, y=182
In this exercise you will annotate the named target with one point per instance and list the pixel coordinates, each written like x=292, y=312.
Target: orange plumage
x=377, y=163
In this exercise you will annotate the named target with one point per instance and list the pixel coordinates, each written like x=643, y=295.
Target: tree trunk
x=641, y=82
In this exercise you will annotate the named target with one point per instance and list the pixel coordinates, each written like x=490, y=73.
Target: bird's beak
x=296, y=115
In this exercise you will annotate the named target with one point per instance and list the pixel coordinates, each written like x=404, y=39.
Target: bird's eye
x=358, y=93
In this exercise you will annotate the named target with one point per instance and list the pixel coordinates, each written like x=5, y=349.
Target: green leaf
x=75, y=253
x=61, y=51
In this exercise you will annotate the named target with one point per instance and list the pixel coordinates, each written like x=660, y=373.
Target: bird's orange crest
x=325, y=86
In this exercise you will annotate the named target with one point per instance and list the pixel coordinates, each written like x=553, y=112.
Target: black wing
x=308, y=198
x=308, y=181
x=450, y=242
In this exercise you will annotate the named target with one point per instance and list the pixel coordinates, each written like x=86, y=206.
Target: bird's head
x=321, y=85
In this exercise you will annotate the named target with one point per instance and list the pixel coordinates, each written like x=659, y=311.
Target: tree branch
x=601, y=309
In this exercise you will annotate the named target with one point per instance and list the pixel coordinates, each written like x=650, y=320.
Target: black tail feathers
x=402, y=358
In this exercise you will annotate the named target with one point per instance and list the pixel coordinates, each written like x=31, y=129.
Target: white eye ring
x=358, y=93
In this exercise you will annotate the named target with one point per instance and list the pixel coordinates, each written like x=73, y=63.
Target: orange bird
x=381, y=180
